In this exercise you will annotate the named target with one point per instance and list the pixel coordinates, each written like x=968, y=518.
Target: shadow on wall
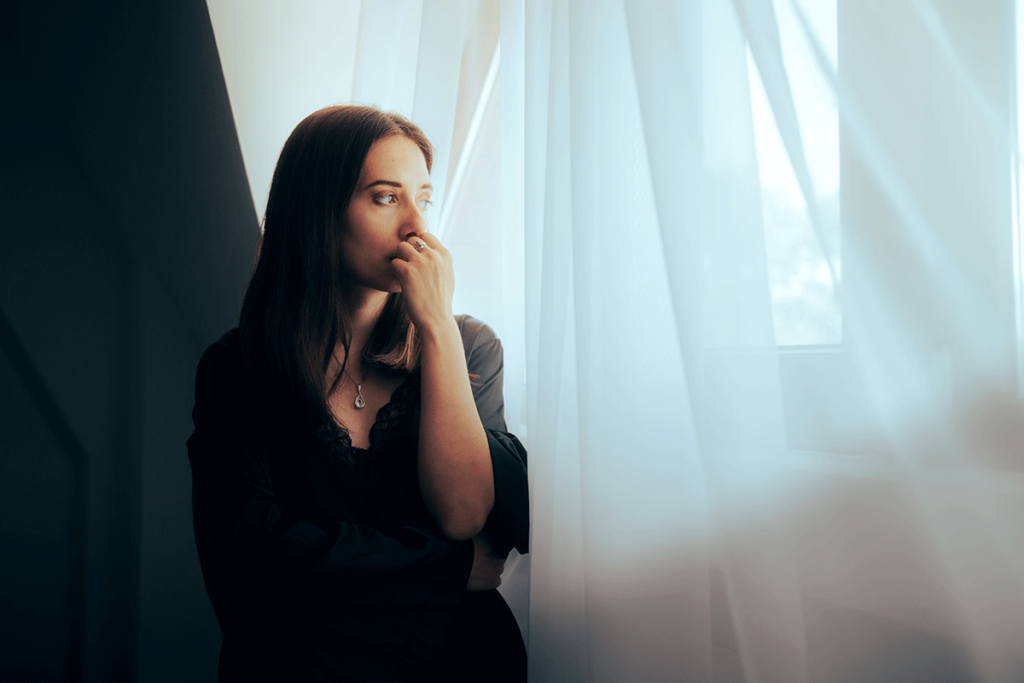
x=127, y=237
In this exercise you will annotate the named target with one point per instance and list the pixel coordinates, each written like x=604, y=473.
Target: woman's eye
x=386, y=199
x=424, y=203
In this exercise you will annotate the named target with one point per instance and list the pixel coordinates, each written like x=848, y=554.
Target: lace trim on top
x=386, y=425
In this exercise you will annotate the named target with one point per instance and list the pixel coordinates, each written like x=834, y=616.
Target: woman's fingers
x=487, y=567
x=406, y=251
x=416, y=244
x=433, y=243
x=430, y=240
x=426, y=277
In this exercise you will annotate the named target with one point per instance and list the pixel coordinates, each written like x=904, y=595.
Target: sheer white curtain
x=709, y=505
x=709, y=501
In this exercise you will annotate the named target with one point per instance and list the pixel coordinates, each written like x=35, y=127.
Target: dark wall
x=126, y=235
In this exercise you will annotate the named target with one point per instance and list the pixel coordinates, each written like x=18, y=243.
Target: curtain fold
x=708, y=505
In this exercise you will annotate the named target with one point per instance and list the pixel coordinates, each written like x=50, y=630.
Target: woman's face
x=386, y=208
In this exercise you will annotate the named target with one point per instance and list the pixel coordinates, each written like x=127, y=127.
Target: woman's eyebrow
x=392, y=183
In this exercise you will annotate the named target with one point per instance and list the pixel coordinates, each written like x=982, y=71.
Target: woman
x=354, y=490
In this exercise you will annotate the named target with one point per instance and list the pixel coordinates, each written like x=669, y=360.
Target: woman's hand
x=455, y=472
x=487, y=566
x=428, y=280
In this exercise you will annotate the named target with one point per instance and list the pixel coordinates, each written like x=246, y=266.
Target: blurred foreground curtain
x=710, y=504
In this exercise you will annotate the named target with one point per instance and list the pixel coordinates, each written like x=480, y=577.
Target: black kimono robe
x=321, y=559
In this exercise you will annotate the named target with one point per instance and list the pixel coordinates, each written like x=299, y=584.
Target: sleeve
x=254, y=551
x=509, y=522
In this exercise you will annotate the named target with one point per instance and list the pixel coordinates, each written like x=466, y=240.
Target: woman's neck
x=364, y=308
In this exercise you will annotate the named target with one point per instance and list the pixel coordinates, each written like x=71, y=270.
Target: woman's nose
x=415, y=222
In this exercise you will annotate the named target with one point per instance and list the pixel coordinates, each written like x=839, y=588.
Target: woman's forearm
x=455, y=473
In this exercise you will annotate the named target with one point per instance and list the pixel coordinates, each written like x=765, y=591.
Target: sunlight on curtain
x=281, y=63
x=804, y=303
x=678, y=533
x=283, y=60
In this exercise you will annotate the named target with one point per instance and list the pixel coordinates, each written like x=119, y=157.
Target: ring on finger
x=419, y=245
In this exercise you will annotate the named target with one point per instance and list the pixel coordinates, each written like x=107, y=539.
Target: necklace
x=359, y=402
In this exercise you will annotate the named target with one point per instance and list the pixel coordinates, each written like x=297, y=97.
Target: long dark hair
x=293, y=314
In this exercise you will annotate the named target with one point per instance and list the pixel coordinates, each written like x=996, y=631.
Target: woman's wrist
x=438, y=331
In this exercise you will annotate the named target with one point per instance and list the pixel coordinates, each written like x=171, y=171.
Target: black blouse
x=321, y=559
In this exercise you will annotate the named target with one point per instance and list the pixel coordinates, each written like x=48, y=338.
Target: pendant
x=359, y=402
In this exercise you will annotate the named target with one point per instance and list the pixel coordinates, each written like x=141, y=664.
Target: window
x=805, y=307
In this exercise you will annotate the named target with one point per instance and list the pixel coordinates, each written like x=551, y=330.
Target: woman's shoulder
x=223, y=395
x=476, y=334
x=222, y=362
x=484, y=355
x=224, y=355
x=228, y=345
